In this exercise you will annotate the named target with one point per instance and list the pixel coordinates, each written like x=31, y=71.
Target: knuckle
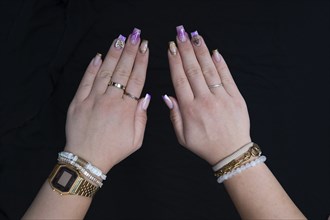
x=130, y=51
x=208, y=71
x=192, y=71
x=180, y=82
x=122, y=72
x=104, y=74
x=138, y=81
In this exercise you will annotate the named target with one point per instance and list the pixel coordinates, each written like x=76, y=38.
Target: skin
x=104, y=127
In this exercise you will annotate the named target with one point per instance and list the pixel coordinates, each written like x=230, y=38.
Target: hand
x=104, y=125
x=210, y=121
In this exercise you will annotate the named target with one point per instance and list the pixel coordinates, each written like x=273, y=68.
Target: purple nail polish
x=135, y=36
x=168, y=101
x=181, y=33
x=195, y=38
x=146, y=101
x=120, y=42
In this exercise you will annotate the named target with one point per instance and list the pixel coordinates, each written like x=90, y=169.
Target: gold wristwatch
x=66, y=180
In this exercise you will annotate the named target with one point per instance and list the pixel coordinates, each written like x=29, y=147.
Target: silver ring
x=215, y=85
x=131, y=96
x=117, y=85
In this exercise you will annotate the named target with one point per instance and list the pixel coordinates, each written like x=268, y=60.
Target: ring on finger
x=215, y=85
x=131, y=96
x=117, y=85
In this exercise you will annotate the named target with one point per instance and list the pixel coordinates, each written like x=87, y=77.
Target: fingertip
x=168, y=101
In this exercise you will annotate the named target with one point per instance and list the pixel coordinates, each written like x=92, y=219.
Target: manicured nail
x=97, y=59
x=144, y=46
x=135, y=36
x=217, y=55
x=195, y=38
x=172, y=47
x=146, y=101
x=181, y=33
x=168, y=101
x=120, y=42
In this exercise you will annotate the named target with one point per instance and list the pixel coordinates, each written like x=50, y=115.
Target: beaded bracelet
x=81, y=170
x=238, y=170
x=88, y=166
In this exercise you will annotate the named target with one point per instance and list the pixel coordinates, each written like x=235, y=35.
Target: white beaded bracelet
x=232, y=156
x=253, y=163
x=94, y=170
x=81, y=170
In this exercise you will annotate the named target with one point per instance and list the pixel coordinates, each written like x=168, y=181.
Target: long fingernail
x=146, y=102
x=120, y=42
x=97, y=59
x=181, y=33
x=172, y=47
x=168, y=101
x=195, y=38
x=144, y=46
x=217, y=55
x=135, y=36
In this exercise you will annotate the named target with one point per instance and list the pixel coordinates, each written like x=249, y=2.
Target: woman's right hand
x=209, y=116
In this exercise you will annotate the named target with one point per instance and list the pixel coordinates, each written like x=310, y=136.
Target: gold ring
x=131, y=96
x=117, y=85
x=215, y=85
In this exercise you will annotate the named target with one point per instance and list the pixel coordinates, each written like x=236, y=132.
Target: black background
x=278, y=53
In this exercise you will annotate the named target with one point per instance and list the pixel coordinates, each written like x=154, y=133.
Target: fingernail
x=97, y=59
x=181, y=33
x=120, y=42
x=217, y=55
x=135, y=36
x=172, y=47
x=195, y=38
x=144, y=46
x=146, y=101
x=168, y=101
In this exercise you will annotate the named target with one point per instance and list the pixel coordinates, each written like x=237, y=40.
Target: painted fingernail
x=217, y=55
x=195, y=38
x=181, y=33
x=135, y=36
x=144, y=46
x=97, y=59
x=172, y=47
x=168, y=101
x=120, y=42
x=146, y=102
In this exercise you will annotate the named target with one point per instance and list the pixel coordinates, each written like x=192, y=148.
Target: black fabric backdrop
x=278, y=53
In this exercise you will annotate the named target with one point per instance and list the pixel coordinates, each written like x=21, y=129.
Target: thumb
x=141, y=120
x=176, y=118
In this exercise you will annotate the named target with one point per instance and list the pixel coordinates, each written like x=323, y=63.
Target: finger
x=176, y=117
x=190, y=64
x=125, y=64
x=179, y=78
x=225, y=75
x=206, y=63
x=87, y=81
x=136, y=80
x=110, y=61
x=141, y=120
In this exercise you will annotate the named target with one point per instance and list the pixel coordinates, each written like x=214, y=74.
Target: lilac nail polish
x=135, y=36
x=146, y=102
x=120, y=42
x=168, y=101
x=181, y=33
x=217, y=55
x=195, y=38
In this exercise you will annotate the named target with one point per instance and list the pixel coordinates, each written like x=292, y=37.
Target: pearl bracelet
x=88, y=166
x=238, y=170
x=82, y=171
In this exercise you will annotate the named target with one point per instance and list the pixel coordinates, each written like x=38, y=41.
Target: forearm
x=51, y=205
x=258, y=195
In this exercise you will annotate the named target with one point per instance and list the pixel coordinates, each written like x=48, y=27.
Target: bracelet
x=238, y=170
x=88, y=166
x=81, y=170
x=232, y=156
x=253, y=152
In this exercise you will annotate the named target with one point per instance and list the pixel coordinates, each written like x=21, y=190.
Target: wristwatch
x=66, y=180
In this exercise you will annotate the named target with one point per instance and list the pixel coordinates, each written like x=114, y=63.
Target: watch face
x=64, y=179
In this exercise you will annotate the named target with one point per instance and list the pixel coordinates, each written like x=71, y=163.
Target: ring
x=117, y=85
x=131, y=96
x=215, y=85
